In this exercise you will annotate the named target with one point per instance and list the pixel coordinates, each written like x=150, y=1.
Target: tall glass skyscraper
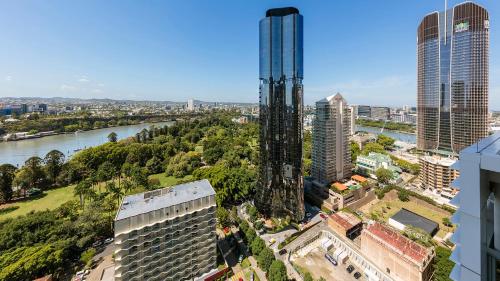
x=452, y=78
x=280, y=190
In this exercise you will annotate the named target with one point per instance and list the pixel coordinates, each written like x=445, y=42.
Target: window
x=388, y=270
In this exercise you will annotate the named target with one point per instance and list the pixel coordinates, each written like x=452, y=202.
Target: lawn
x=169, y=181
x=54, y=198
x=387, y=208
x=50, y=200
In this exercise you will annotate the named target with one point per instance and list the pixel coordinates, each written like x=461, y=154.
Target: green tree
x=106, y=172
x=385, y=141
x=35, y=173
x=54, y=161
x=442, y=264
x=277, y=272
x=212, y=155
x=154, y=165
x=222, y=216
x=112, y=137
x=383, y=175
x=82, y=189
x=87, y=256
x=265, y=259
x=252, y=212
x=355, y=151
x=372, y=147
x=7, y=175
x=404, y=195
x=447, y=222
x=257, y=245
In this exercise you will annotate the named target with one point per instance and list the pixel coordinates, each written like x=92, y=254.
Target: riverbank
x=387, y=125
x=397, y=135
x=17, y=152
x=19, y=136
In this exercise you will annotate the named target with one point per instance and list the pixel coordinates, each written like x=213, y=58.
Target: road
x=258, y=271
x=104, y=260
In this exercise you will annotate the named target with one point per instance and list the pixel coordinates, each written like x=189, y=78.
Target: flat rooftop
x=407, y=217
x=412, y=251
x=146, y=202
x=443, y=161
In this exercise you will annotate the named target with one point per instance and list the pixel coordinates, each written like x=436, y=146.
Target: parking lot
x=316, y=263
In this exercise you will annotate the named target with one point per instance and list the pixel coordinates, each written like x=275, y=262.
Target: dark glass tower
x=452, y=78
x=280, y=191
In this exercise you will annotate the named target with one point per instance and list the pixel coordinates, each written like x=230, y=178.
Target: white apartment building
x=166, y=234
x=331, y=154
x=190, y=105
x=477, y=238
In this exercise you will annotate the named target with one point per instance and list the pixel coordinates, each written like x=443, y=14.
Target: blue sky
x=208, y=50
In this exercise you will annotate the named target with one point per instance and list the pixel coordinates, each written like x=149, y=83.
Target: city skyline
x=65, y=60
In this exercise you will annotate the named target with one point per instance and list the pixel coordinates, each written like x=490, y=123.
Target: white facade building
x=331, y=155
x=477, y=238
x=190, y=105
x=166, y=234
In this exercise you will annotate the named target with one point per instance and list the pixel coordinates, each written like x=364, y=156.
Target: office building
x=436, y=174
x=477, y=237
x=380, y=113
x=331, y=154
x=190, y=105
x=452, y=78
x=280, y=190
x=166, y=234
x=345, y=224
x=364, y=111
x=402, y=259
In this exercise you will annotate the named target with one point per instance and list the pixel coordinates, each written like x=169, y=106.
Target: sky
x=208, y=50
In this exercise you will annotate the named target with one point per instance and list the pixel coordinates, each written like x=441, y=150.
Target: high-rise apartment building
x=280, y=190
x=166, y=234
x=353, y=112
x=331, y=154
x=452, y=78
x=477, y=237
x=380, y=113
x=436, y=174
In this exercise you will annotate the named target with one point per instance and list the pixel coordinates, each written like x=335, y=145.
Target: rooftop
x=407, y=217
x=443, y=161
x=379, y=157
x=281, y=12
x=339, y=186
x=358, y=178
x=396, y=242
x=146, y=202
x=346, y=220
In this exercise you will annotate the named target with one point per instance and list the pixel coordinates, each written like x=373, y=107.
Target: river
x=16, y=152
x=404, y=137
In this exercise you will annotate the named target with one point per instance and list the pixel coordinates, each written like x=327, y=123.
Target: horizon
x=132, y=51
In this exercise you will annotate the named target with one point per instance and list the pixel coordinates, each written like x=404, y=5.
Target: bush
x=87, y=257
x=403, y=195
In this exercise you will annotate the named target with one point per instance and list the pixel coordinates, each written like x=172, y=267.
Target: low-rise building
x=345, y=224
x=436, y=174
x=401, y=258
x=405, y=218
x=369, y=164
x=337, y=195
x=166, y=234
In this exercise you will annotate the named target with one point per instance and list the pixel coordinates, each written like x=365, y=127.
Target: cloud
x=97, y=91
x=8, y=78
x=83, y=79
x=67, y=88
x=100, y=85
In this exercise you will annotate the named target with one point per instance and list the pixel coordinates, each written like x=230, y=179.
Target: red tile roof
x=339, y=186
x=346, y=220
x=400, y=244
x=358, y=178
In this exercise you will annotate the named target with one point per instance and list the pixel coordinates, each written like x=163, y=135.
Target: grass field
x=169, y=181
x=56, y=197
x=387, y=208
x=50, y=200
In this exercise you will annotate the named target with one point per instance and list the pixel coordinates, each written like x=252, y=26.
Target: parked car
x=357, y=275
x=331, y=259
x=109, y=240
x=282, y=251
x=350, y=268
x=323, y=216
x=97, y=243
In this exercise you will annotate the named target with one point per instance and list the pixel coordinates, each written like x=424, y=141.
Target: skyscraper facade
x=331, y=154
x=452, y=78
x=280, y=187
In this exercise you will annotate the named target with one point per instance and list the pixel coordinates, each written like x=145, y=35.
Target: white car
x=109, y=240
